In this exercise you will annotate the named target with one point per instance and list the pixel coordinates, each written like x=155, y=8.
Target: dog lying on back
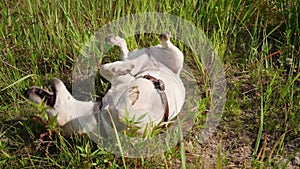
x=145, y=89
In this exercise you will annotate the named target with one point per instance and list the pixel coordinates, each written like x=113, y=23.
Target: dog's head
x=60, y=101
x=64, y=106
x=58, y=95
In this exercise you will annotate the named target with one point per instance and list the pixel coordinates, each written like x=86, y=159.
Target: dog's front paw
x=118, y=41
x=115, y=69
x=133, y=94
x=114, y=40
x=118, y=68
x=124, y=69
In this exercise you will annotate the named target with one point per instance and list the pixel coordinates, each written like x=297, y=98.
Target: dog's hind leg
x=118, y=41
x=168, y=54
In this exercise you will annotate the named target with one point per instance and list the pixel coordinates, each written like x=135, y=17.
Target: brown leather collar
x=160, y=86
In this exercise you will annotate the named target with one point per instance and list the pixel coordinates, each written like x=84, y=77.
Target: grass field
x=258, y=42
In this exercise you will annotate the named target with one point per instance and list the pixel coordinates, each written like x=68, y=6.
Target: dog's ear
x=37, y=95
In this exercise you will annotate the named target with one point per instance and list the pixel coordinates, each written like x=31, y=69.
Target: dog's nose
x=32, y=95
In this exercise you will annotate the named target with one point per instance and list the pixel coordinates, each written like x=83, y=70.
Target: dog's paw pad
x=165, y=36
x=133, y=94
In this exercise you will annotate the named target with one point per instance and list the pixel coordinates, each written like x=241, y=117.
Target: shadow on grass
x=23, y=130
x=27, y=135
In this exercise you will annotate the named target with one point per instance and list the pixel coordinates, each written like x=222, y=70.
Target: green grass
x=258, y=41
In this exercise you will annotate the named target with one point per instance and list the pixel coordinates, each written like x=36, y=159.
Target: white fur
x=163, y=62
x=131, y=96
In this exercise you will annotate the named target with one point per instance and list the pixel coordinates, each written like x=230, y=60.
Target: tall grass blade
x=18, y=81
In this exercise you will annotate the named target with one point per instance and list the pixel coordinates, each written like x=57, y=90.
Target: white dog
x=145, y=90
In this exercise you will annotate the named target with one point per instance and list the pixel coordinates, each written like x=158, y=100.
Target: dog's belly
x=147, y=107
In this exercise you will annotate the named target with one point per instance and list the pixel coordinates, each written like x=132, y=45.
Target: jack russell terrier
x=146, y=91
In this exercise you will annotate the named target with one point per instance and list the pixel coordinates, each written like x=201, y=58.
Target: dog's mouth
x=38, y=95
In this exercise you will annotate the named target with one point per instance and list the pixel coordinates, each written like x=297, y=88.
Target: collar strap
x=160, y=86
